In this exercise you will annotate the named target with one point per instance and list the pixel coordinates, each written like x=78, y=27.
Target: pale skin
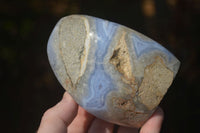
x=68, y=117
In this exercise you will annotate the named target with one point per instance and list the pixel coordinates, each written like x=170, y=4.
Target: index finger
x=57, y=118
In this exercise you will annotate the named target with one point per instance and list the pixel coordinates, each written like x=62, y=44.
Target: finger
x=57, y=118
x=127, y=130
x=100, y=126
x=83, y=121
x=153, y=125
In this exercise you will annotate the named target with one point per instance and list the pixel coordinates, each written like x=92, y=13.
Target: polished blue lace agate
x=113, y=72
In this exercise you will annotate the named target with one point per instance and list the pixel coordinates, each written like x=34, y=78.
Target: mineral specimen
x=113, y=72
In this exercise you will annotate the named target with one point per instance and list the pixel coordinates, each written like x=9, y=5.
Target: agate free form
x=113, y=72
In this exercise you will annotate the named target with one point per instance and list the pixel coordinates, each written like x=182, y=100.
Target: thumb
x=153, y=125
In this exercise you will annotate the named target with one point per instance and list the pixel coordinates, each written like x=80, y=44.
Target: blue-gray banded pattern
x=113, y=72
x=100, y=83
x=145, y=46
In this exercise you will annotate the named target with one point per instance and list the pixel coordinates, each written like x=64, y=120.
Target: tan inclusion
x=84, y=56
x=157, y=79
x=121, y=60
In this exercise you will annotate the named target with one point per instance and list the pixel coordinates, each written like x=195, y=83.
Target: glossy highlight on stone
x=114, y=72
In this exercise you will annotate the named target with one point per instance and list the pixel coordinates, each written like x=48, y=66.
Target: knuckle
x=48, y=114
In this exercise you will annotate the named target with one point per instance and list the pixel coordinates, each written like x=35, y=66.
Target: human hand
x=68, y=117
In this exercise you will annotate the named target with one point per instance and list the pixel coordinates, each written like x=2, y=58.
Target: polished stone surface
x=113, y=72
